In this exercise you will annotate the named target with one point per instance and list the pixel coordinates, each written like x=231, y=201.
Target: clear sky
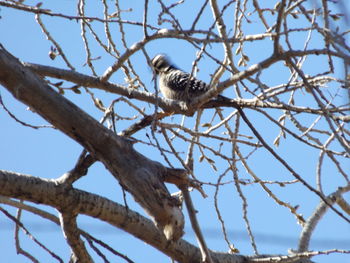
x=48, y=153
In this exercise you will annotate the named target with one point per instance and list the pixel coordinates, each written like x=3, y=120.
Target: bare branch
x=18, y=223
x=56, y=44
x=286, y=62
x=315, y=218
x=19, y=121
x=285, y=164
x=114, y=151
x=56, y=220
x=166, y=104
x=72, y=235
x=19, y=249
x=205, y=253
x=84, y=162
x=48, y=192
x=280, y=17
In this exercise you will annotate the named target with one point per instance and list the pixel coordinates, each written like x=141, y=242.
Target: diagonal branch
x=142, y=177
x=315, y=218
x=286, y=165
x=19, y=224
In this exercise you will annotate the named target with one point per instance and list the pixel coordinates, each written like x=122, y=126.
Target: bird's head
x=160, y=63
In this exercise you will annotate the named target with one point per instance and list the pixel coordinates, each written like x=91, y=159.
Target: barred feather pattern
x=178, y=85
x=174, y=83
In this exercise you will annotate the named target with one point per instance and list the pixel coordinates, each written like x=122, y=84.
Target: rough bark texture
x=142, y=177
x=59, y=196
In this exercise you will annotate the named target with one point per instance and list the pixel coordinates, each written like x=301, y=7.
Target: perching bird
x=174, y=83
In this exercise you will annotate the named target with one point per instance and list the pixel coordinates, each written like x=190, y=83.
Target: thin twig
x=286, y=165
x=30, y=235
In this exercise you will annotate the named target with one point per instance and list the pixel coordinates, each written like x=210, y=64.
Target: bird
x=174, y=83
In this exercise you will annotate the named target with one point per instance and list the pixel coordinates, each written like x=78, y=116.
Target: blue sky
x=48, y=153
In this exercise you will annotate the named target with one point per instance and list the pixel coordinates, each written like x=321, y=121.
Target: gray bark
x=142, y=177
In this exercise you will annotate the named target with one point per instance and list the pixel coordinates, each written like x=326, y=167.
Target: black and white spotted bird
x=176, y=84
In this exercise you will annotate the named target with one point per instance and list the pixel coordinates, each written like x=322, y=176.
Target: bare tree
x=284, y=68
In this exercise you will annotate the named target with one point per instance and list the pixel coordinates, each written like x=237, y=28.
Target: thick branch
x=142, y=177
x=48, y=192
